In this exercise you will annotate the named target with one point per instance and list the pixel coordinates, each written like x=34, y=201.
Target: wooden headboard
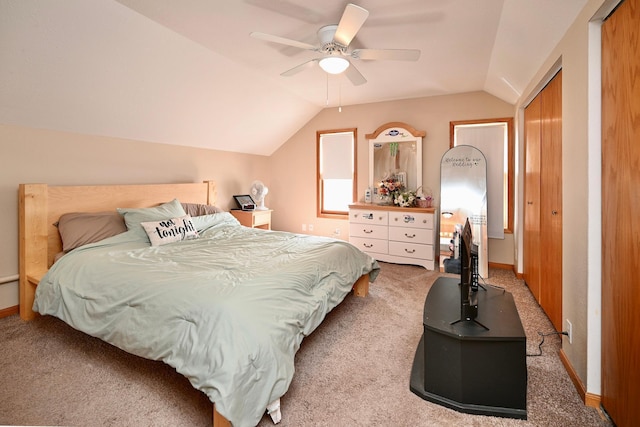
x=41, y=205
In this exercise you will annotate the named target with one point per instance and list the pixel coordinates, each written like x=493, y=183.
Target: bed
x=233, y=305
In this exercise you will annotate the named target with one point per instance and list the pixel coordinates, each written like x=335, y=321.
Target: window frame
x=510, y=159
x=321, y=212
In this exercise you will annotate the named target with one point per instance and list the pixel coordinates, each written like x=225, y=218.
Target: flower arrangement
x=395, y=192
x=389, y=187
x=405, y=199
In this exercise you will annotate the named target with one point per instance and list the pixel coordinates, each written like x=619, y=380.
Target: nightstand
x=253, y=219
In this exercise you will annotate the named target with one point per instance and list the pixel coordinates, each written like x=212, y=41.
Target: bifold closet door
x=542, y=251
x=551, y=201
x=531, y=248
x=621, y=214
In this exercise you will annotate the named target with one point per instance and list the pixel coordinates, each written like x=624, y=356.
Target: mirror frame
x=396, y=132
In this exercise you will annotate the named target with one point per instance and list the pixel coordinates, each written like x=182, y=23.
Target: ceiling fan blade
x=299, y=68
x=350, y=23
x=387, y=54
x=354, y=75
x=282, y=40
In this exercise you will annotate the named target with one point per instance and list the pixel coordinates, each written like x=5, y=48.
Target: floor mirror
x=463, y=194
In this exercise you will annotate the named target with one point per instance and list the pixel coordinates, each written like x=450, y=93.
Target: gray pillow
x=197, y=209
x=81, y=228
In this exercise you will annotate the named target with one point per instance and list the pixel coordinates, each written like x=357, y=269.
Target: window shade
x=337, y=156
x=490, y=139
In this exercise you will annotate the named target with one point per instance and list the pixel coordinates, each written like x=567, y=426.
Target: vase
x=384, y=200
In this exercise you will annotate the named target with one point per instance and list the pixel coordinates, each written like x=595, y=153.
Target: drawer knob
x=368, y=245
x=409, y=251
x=367, y=231
x=409, y=236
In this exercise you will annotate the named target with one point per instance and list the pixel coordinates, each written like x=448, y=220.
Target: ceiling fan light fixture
x=334, y=64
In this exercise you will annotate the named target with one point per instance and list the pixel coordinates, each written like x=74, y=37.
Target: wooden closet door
x=531, y=248
x=542, y=248
x=621, y=214
x=551, y=201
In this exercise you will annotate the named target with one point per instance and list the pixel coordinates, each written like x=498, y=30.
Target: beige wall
x=62, y=158
x=581, y=292
x=294, y=164
x=30, y=155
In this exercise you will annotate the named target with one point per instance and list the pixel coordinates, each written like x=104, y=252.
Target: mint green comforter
x=228, y=310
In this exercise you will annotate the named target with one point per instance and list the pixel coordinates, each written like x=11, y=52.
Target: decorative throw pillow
x=134, y=216
x=81, y=228
x=170, y=230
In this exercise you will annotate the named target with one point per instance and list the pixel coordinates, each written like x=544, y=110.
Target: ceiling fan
x=334, y=47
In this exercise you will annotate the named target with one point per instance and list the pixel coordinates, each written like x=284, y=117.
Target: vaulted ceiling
x=188, y=73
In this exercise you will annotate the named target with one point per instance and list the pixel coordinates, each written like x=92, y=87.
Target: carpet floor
x=352, y=371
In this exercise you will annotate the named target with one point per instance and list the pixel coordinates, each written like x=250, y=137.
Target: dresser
x=394, y=234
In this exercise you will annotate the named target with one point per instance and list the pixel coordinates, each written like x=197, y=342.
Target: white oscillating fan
x=258, y=192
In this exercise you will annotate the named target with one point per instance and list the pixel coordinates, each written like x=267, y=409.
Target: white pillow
x=170, y=230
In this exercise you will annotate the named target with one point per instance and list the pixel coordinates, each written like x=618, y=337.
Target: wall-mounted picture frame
x=244, y=202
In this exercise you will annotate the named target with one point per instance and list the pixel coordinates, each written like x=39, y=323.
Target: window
x=494, y=137
x=336, y=171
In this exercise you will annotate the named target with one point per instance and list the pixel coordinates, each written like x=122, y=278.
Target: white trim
x=594, y=202
x=9, y=279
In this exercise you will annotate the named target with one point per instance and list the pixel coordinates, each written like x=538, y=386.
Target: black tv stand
x=468, y=368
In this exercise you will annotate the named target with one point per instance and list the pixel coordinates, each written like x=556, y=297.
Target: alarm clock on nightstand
x=245, y=202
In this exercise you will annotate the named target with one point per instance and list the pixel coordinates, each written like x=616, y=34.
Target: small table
x=254, y=219
x=462, y=365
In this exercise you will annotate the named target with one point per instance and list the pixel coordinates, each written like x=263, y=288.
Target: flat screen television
x=468, y=276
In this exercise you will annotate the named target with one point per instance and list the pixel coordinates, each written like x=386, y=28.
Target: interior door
x=531, y=249
x=551, y=201
x=620, y=214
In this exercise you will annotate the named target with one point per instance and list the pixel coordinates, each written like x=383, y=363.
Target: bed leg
x=219, y=420
x=361, y=287
x=32, y=203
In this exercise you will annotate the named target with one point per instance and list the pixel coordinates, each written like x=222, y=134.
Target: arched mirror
x=395, y=151
x=463, y=194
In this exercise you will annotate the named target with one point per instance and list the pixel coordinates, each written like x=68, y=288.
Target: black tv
x=468, y=277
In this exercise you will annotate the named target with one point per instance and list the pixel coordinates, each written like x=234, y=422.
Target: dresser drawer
x=410, y=219
x=370, y=231
x=411, y=235
x=411, y=250
x=370, y=245
x=362, y=216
